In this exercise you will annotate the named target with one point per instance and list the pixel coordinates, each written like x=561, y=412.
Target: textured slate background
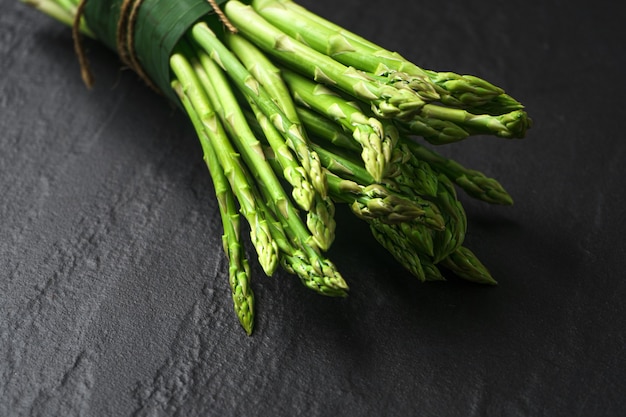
x=113, y=291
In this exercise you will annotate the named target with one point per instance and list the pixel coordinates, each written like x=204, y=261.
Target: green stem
x=337, y=43
x=324, y=128
x=351, y=49
x=238, y=271
x=387, y=101
x=235, y=172
x=474, y=183
x=320, y=273
x=376, y=143
x=320, y=210
x=252, y=90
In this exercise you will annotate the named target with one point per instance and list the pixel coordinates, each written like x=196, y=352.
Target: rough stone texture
x=113, y=291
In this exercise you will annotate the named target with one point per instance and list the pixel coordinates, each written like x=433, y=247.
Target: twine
x=231, y=28
x=79, y=48
x=125, y=39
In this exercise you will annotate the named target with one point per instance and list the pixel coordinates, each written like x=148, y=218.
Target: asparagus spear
x=425, y=212
x=238, y=271
x=377, y=144
x=442, y=125
x=331, y=42
x=400, y=248
x=431, y=271
x=466, y=265
x=268, y=76
x=406, y=171
x=325, y=128
x=251, y=88
x=374, y=201
x=508, y=125
x=437, y=132
x=474, y=183
x=354, y=50
x=417, y=175
x=320, y=209
x=473, y=93
x=387, y=101
x=315, y=270
x=238, y=178
x=449, y=124
x=455, y=218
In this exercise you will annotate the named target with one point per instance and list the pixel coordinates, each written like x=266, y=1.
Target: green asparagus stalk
x=316, y=271
x=472, y=93
x=302, y=190
x=265, y=72
x=353, y=50
x=251, y=88
x=331, y=42
x=247, y=144
x=318, y=275
x=417, y=175
x=377, y=144
x=387, y=101
x=452, y=237
x=269, y=77
x=420, y=237
x=501, y=104
x=322, y=127
x=466, y=265
x=399, y=247
x=237, y=176
x=406, y=171
x=431, y=271
x=320, y=209
x=474, y=183
x=425, y=212
x=238, y=271
x=509, y=125
x=374, y=201
x=442, y=125
x=435, y=131
x=320, y=217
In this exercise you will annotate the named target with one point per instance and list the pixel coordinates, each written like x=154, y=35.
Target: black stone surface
x=114, y=298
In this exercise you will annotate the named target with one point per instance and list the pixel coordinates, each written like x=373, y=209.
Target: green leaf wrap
x=159, y=26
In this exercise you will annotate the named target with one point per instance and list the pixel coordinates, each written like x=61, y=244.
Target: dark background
x=114, y=297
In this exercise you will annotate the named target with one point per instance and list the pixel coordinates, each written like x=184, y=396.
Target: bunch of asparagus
x=296, y=114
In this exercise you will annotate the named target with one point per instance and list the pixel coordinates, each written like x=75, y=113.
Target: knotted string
x=125, y=39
